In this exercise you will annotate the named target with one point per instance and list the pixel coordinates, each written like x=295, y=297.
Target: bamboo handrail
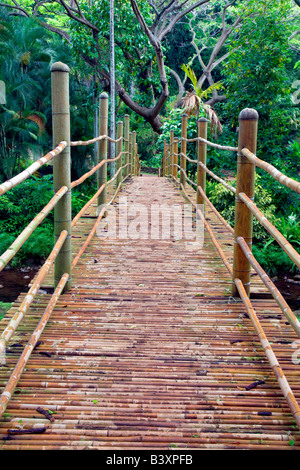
x=93, y=170
x=212, y=144
x=226, y=224
x=11, y=183
x=102, y=212
x=272, y=170
x=19, y=315
x=281, y=240
x=19, y=368
x=213, y=175
x=291, y=317
x=25, y=234
x=191, y=160
x=210, y=232
x=282, y=381
x=93, y=141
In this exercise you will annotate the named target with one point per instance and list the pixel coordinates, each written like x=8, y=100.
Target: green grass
x=4, y=307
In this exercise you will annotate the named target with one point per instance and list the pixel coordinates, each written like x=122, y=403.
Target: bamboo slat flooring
x=149, y=350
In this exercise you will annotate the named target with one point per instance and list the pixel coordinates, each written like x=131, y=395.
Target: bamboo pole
x=276, y=174
x=19, y=368
x=102, y=149
x=248, y=122
x=201, y=157
x=163, y=167
x=175, y=158
x=133, y=153
x=130, y=153
x=7, y=185
x=183, y=148
x=171, y=153
x=136, y=160
x=25, y=234
x=119, y=150
x=283, y=383
x=281, y=240
x=126, y=144
x=19, y=315
x=291, y=317
x=62, y=169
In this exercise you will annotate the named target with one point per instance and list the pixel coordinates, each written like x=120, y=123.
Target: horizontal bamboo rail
x=212, y=144
x=25, y=234
x=281, y=240
x=291, y=317
x=93, y=141
x=282, y=381
x=29, y=298
x=93, y=170
x=217, y=178
x=276, y=174
x=209, y=230
x=19, y=368
x=226, y=224
x=9, y=184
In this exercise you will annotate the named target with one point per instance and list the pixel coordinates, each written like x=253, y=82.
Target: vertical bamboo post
x=102, y=148
x=175, y=157
x=171, y=154
x=183, y=149
x=119, y=150
x=130, y=153
x=62, y=169
x=133, y=153
x=163, y=160
x=201, y=157
x=248, y=123
x=136, y=160
x=126, y=145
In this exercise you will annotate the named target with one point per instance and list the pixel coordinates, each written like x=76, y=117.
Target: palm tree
x=192, y=102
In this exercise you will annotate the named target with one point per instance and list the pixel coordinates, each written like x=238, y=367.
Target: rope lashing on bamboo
x=212, y=144
x=29, y=298
x=276, y=174
x=25, y=234
x=210, y=232
x=291, y=317
x=11, y=183
x=93, y=141
x=19, y=368
x=281, y=240
x=282, y=381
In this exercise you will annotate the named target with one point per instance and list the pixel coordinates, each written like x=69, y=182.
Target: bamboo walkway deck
x=149, y=351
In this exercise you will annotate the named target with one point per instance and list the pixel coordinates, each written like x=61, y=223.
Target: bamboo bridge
x=133, y=336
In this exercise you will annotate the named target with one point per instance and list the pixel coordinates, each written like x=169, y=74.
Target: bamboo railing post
x=126, y=145
x=201, y=157
x=102, y=149
x=133, y=149
x=183, y=149
x=163, y=167
x=136, y=160
x=248, y=122
x=119, y=150
x=62, y=169
x=130, y=153
x=171, y=154
x=175, y=158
